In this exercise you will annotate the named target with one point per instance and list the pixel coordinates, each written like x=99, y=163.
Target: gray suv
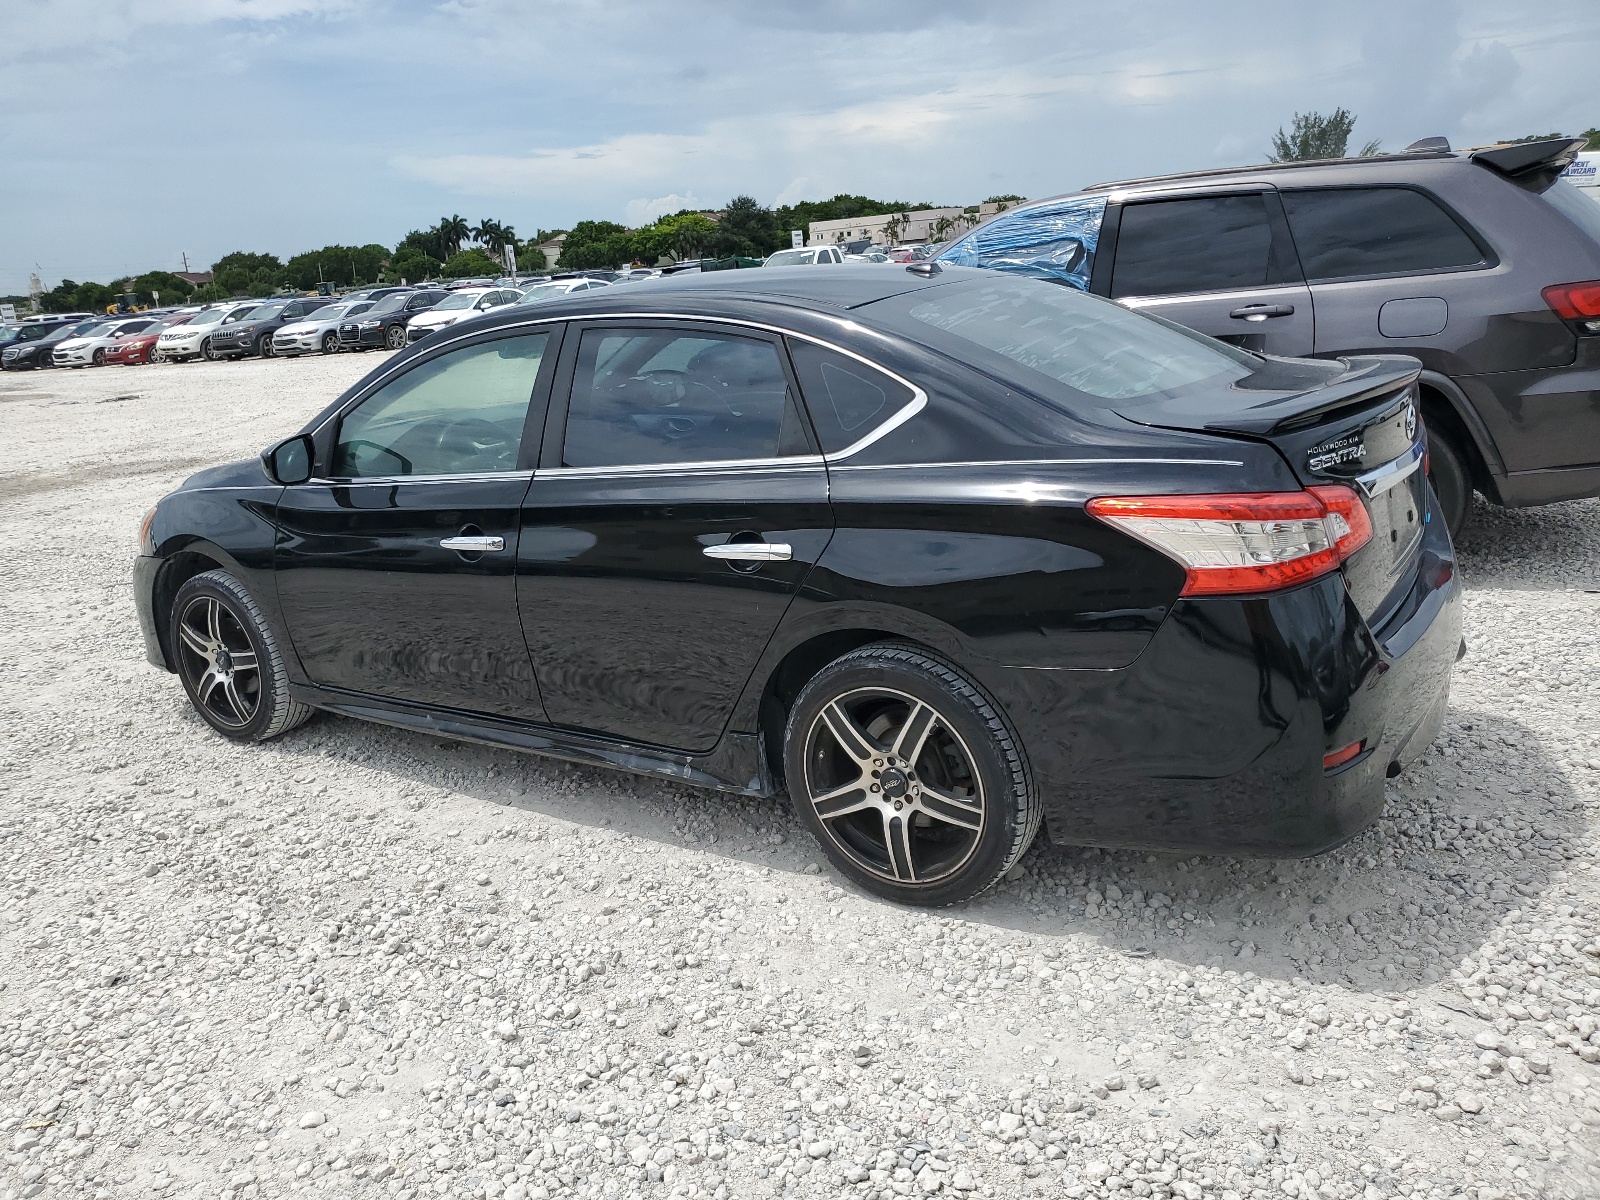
x=1483, y=264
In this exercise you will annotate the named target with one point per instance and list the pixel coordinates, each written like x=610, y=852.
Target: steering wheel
x=473, y=437
x=666, y=385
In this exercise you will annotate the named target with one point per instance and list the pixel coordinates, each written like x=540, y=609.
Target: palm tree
x=454, y=230
x=492, y=235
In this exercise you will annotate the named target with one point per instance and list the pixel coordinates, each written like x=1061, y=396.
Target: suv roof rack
x=1408, y=154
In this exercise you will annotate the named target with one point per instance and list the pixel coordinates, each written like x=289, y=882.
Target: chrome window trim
x=720, y=466
x=391, y=480
x=1045, y=462
x=918, y=401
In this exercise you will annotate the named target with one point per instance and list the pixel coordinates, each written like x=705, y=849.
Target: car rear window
x=1074, y=347
x=1573, y=204
x=1353, y=233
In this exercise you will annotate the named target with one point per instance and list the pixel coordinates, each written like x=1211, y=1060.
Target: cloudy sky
x=139, y=130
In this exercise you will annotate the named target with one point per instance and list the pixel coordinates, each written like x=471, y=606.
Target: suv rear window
x=1202, y=244
x=1352, y=233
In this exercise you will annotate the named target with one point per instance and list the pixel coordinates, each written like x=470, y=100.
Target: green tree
x=424, y=241
x=452, y=232
x=493, y=236
x=593, y=244
x=336, y=264
x=747, y=228
x=680, y=236
x=1314, y=136
x=208, y=293
x=470, y=262
x=412, y=265
x=173, y=290
x=243, y=273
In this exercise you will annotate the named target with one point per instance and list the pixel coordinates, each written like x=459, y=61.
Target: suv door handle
x=750, y=552
x=472, y=545
x=1260, y=312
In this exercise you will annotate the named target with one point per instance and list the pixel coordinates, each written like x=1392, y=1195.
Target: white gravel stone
x=204, y=945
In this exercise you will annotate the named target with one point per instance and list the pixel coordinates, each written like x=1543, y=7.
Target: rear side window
x=847, y=398
x=1202, y=244
x=1351, y=233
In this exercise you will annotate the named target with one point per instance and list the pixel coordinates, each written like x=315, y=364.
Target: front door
x=1221, y=265
x=678, y=505
x=397, y=572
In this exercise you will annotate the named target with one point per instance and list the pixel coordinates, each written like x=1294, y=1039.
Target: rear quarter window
x=1354, y=233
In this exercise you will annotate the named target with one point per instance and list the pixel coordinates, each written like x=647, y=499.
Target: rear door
x=1223, y=265
x=679, y=503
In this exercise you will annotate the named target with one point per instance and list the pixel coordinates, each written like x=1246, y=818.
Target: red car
x=136, y=348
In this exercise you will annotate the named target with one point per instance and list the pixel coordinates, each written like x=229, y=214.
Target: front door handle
x=750, y=552
x=1260, y=312
x=472, y=545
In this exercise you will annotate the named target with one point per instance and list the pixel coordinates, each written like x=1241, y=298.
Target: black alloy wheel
x=395, y=338
x=1447, y=471
x=208, y=353
x=908, y=776
x=330, y=343
x=229, y=661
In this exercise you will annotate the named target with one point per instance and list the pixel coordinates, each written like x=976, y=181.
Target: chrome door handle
x=750, y=552
x=472, y=545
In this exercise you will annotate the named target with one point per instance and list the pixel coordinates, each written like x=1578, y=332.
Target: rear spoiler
x=1519, y=160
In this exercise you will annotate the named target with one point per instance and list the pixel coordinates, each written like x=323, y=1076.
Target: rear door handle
x=1260, y=312
x=473, y=545
x=750, y=552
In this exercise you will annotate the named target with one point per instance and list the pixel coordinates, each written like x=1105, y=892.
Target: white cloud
x=646, y=212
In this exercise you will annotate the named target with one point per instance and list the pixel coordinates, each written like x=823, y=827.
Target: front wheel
x=229, y=660
x=395, y=338
x=913, y=782
x=1447, y=471
x=330, y=343
x=98, y=358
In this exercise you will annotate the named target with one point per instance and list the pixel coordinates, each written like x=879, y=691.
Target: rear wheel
x=395, y=338
x=229, y=660
x=207, y=353
x=910, y=778
x=1447, y=471
x=264, y=346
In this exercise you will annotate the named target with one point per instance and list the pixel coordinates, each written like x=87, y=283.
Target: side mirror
x=290, y=460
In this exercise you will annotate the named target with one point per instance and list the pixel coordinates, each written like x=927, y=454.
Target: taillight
x=1252, y=542
x=1576, y=302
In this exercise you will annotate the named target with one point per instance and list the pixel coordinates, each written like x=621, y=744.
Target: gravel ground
x=357, y=962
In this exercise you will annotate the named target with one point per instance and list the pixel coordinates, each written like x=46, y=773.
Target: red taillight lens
x=1574, y=301
x=1251, y=542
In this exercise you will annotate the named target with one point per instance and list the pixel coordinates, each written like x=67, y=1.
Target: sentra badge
x=1349, y=448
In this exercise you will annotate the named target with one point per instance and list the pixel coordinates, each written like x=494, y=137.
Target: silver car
x=319, y=332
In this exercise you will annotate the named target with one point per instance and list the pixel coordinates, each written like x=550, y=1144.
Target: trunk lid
x=1351, y=421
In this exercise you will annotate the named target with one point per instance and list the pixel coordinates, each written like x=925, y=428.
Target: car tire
x=330, y=343
x=215, y=629
x=933, y=823
x=98, y=358
x=1452, y=484
x=264, y=346
x=395, y=337
x=207, y=353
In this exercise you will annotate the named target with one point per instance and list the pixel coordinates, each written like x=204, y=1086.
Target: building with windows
x=906, y=228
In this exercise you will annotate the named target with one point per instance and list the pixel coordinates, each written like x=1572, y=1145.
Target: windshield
x=9, y=334
x=100, y=330
x=266, y=312
x=545, y=291
x=457, y=300
x=391, y=303
x=239, y=314
x=1061, y=336
x=791, y=258
x=328, y=312
x=210, y=317
x=167, y=323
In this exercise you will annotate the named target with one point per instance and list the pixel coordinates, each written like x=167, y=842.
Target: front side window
x=1202, y=244
x=461, y=413
x=1347, y=233
x=847, y=398
x=654, y=396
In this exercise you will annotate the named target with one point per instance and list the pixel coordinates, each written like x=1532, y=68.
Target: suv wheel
x=909, y=777
x=229, y=660
x=1447, y=471
x=395, y=337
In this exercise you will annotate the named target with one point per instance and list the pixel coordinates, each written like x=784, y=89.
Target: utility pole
x=185, y=262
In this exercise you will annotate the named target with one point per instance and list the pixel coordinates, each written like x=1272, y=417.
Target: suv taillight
x=1577, y=303
x=1248, y=543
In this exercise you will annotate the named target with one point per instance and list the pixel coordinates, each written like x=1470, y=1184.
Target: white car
x=558, y=288
x=812, y=256
x=466, y=302
x=193, y=340
x=319, y=332
x=88, y=349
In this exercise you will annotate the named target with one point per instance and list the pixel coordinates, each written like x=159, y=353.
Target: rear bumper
x=1213, y=740
x=145, y=569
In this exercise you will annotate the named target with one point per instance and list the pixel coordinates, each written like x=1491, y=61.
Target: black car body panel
x=958, y=522
x=235, y=339
x=1505, y=378
x=371, y=329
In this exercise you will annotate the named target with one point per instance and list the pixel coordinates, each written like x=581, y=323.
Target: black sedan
x=252, y=333
x=34, y=344
x=384, y=324
x=945, y=553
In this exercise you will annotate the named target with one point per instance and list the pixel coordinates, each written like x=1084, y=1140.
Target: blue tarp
x=1054, y=241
